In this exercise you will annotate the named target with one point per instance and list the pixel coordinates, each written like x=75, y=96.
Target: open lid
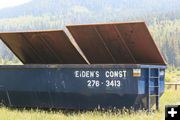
x=113, y=43
x=42, y=47
x=117, y=43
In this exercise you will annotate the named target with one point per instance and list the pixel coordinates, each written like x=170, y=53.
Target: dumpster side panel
x=69, y=87
x=74, y=87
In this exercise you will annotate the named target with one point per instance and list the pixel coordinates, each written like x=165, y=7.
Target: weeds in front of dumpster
x=170, y=97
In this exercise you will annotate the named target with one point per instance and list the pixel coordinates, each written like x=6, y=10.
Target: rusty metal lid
x=113, y=43
x=117, y=43
x=42, y=47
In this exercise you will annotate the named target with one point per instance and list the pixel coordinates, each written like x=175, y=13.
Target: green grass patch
x=169, y=97
x=172, y=75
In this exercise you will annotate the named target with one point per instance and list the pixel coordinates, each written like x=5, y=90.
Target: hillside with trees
x=162, y=18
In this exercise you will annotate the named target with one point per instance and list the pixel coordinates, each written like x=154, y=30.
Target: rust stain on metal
x=112, y=43
x=91, y=44
x=117, y=43
x=140, y=43
x=63, y=48
x=42, y=47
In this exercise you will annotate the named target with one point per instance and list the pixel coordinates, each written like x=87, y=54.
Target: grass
x=169, y=97
x=172, y=75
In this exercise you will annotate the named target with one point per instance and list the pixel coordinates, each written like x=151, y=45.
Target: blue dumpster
x=112, y=65
x=80, y=86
